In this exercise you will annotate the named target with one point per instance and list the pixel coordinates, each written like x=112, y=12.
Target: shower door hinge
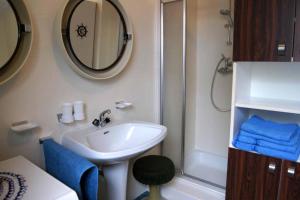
x=179, y=172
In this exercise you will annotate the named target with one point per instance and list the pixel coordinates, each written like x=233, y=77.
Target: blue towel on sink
x=71, y=169
x=277, y=131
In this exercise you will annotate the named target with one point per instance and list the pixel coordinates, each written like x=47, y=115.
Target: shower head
x=225, y=12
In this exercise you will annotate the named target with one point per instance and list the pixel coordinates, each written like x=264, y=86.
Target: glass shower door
x=172, y=79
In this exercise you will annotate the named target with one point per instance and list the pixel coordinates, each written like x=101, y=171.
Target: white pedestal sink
x=112, y=147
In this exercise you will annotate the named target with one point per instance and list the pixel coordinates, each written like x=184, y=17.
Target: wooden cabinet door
x=263, y=30
x=296, y=53
x=249, y=176
x=290, y=181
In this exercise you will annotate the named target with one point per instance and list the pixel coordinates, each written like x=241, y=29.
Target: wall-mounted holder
x=66, y=120
x=23, y=126
x=123, y=105
x=59, y=117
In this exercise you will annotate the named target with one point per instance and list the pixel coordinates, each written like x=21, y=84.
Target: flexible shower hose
x=212, y=88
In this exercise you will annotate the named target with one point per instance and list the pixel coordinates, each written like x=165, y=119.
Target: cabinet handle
x=291, y=171
x=272, y=167
x=281, y=49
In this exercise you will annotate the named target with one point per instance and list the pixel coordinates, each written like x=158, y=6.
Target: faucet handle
x=107, y=120
x=96, y=122
x=108, y=111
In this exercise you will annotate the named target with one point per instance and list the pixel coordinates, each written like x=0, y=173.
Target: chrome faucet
x=103, y=118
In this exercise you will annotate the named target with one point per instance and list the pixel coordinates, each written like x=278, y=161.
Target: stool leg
x=154, y=192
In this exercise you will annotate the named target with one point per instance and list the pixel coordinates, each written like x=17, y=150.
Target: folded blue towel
x=249, y=137
x=278, y=154
x=246, y=139
x=242, y=145
x=270, y=143
x=290, y=149
x=71, y=169
x=273, y=130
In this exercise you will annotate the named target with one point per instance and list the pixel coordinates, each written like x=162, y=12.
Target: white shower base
x=206, y=166
x=183, y=188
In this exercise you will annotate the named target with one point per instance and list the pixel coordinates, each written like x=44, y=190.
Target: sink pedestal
x=116, y=180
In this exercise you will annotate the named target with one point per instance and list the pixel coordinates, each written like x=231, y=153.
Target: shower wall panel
x=207, y=130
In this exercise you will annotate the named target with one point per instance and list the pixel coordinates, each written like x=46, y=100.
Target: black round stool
x=154, y=171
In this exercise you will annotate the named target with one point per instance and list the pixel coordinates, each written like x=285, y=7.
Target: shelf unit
x=285, y=106
x=270, y=90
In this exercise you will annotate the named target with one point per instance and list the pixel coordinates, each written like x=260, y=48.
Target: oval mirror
x=15, y=37
x=9, y=36
x=97, y=37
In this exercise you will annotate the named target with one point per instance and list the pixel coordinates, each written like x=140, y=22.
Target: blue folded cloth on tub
x=71, y=169
x=278, y=154
x=266, y=128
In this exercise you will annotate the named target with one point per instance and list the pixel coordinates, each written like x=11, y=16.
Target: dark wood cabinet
x=252, y=176
x=290, y=181
x=264, y=30
x=296, y=52
x=249, y=176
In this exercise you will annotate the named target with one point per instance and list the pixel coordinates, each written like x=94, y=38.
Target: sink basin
x=115, y=143
x=112, y=147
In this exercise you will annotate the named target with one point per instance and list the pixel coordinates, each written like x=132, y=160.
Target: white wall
x=46, y=81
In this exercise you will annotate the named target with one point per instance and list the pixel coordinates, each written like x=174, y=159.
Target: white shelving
x=276, y=105
x=270, y=90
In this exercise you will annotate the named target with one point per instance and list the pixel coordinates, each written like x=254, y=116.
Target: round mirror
x=9, y=36
x=97, y=37
x=15, y=37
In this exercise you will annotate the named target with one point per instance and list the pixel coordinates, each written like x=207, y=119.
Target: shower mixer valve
x=227, y=67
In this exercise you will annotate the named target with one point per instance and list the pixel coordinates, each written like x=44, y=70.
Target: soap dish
x=23, y=126
x=123, y=105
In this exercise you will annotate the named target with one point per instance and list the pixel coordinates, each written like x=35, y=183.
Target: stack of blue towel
x=269, y=138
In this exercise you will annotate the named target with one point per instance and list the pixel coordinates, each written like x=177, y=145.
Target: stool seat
x=154, y=170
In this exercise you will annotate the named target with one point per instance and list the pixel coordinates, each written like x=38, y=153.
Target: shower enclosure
x=196, y=80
